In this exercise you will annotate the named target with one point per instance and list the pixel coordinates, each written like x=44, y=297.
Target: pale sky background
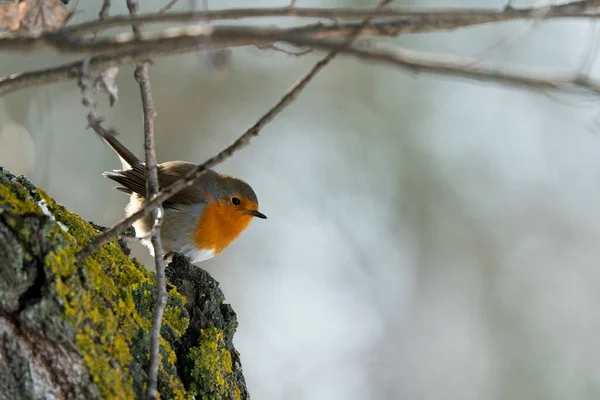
x=428, y=238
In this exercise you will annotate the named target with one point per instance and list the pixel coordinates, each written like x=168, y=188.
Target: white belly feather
x=176, y=232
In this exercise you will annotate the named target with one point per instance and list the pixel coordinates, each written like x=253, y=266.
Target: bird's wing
x=133, y=180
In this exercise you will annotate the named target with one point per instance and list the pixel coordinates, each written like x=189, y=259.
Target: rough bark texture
x=82, y=333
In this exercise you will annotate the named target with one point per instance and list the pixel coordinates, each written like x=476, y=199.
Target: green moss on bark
x=106, y=321
x=105, y=308
x=212, y=366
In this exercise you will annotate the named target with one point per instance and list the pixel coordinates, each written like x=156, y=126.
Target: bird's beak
x=257, y=214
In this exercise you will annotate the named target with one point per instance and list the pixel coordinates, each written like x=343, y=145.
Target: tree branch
x=397, y=21
x=187, y=40
x=103, y=14
x=23, y=80
x=142, y=76
x=126, y=49
x=415, y=20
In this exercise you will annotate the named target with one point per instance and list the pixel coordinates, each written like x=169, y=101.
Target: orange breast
x=219, y=225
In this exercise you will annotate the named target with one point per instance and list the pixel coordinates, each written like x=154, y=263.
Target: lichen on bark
x=82, y=332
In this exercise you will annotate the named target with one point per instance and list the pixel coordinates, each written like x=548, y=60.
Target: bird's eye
x=235, y=201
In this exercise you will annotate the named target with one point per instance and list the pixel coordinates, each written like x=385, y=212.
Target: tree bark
x=69, y=332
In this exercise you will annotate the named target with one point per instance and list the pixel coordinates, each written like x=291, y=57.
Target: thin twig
x=23, y=80
x=451, y=18
x=142, y=76
x=514, y=36
x=411, y=21
x=67, y=42
x=169, y=5
x=151, y=166
x=191, y=177
x=502, y=44
x=276, y=48
x=414, y=61
x=103, y=15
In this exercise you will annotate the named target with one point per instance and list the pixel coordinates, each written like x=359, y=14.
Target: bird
x=198, y=222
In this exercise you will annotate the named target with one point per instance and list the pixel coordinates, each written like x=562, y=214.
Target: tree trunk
x=83, y=333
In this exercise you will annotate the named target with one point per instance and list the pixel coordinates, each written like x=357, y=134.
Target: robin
x=199, y=221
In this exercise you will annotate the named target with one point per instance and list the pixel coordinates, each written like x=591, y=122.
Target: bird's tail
x=128, y=159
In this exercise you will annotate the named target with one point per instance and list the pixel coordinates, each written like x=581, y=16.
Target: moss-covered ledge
x=83, y=334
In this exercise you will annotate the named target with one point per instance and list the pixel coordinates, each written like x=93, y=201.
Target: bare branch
x=193, y=176
x=142, y=76
x=503, y=44
x=418, y=21
x=219, y=37
x=276, y=48
x=103, y=14
x=123, y=49
x=187, y=40
x=169, y=5
x=23, y=80
x=404, y=21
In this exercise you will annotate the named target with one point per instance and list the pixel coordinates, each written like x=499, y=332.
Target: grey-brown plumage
x=132, y=178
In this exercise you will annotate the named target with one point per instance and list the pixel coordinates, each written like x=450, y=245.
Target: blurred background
x=428, y=238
